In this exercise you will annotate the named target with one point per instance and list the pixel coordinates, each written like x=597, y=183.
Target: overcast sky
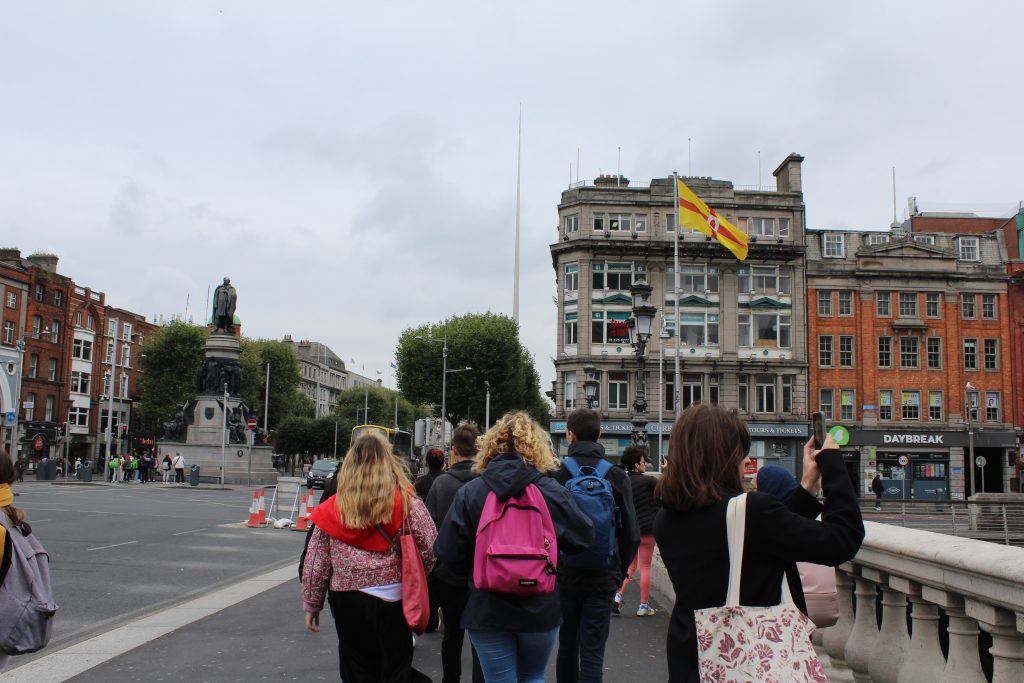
x=352, y=165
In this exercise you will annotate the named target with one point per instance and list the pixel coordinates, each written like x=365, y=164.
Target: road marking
x=76, y=659
x=37, y=521
x=189, y=532
x=104, y=547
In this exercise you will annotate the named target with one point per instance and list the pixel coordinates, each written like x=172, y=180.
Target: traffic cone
x=310, y=506
x=263, y=508
x=300, y=524
x=254, y=515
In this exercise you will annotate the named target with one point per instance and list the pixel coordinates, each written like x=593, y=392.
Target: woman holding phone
x=707, y=454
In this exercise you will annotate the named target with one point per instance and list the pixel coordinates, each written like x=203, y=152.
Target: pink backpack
x=516, y=549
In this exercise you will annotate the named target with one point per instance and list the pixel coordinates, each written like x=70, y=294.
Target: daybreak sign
x=913, y=438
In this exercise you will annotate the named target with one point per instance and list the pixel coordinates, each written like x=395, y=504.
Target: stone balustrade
x=977, y=584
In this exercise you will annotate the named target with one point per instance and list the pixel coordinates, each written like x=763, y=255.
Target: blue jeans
x=586, y=620
x=509, y=657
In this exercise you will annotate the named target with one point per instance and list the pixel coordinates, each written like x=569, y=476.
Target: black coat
x=507, y=475
x=439, y=501
x=424, y=483
x=643, y=500
x=695, y=550
x=627, y=537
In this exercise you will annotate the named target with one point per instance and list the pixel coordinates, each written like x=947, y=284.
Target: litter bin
x=46, y=470
x=193, y=476
x=84, y=472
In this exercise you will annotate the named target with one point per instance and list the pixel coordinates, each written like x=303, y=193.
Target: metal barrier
x=997, y=522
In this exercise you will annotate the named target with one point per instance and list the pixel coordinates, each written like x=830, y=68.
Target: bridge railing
x=988, y=518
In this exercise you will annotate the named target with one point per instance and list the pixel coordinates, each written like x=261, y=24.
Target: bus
x=399, y=439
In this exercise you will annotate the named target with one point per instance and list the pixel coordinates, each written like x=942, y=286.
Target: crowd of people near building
x=528, y=553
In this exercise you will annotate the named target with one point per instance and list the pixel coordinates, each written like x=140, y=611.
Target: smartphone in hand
x=818, y=429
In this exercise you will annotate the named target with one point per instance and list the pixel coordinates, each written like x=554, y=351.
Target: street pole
x=17, y=402
x=266, y=400
x=396, y=412
x=335, y=439
x=444, y=391
x=366, y=405
x=110, y=394
x=676, y=386
x=969, y=465
x=224, y=437
x=661, y=390
x=487, y=407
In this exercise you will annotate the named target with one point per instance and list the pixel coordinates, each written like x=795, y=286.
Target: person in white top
x=179, y=469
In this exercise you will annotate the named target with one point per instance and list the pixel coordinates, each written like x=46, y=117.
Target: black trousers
x=375, y=642
x=452, y=601
x=179, y=475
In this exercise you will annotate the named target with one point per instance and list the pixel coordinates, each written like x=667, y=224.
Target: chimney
x=44, y=261
x=611, y=181
x=787, y=175
x=10, y=256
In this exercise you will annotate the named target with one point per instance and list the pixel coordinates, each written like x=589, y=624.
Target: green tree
x=285, y=397
x=488, y=343
x=169, y=362
x=351, y=410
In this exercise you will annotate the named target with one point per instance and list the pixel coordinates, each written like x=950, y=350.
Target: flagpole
x=679, y=229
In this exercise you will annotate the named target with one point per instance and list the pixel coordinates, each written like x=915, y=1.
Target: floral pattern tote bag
x=737, y=644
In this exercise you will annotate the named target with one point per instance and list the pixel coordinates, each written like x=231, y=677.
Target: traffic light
x=124, y=429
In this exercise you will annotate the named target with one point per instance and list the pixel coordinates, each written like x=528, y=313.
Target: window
x=885, y=404
x=992, y=406
x=825, y=351
x=619, y=222
x=772, y=330
x=766, y=227
x=713, y=389
x=846, y=303
x=106, y=384
x=8, y=332
x=934, y=353
x=824, y=303
x=126, y=332
x=640, y=222
x=80, y=382
x=969, y=306
x=12, y=300
x=698, y=329
x=571, y=329
x=845, y=351
x=988, y=306
x=925, y=239
x=908, y=304
x=885, y=352
x=58, y=298
x=766, y=393
x=970, y=354
x=764, y=280
x=609, y=327
x=82, y=349
x=846, y=404
x=40, y=293
x=79, y=417
x=48, y=415
x=783, y=227
x=126, y=355
x=825, y=403
x=55, y=331
x=618, y=390
x=833, y=245
x=991, y=348
x=30, y=410
x=51, y=370
x=33, y=365
x=616, y=276
x=78, y=318
x=743, y=387
x=670, y=222
x=972, y=405
x=569, y=382
x=877, y=238
x=909, y=353
x=571, y=223
x=933, y=304
x=788, y=384
x=969, y=248
x=88, y=322
x=571, y=280
x=935, y=406
x=883, y=304
x=112, y=327
x=670, y=392
x=109, y=360
x=693, y=278
x=37, y=326
x=693, y=390
x=910, y=405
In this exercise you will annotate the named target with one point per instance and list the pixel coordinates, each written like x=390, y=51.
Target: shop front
x=616, y=436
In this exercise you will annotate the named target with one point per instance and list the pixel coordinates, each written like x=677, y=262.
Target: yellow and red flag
x=695, y=214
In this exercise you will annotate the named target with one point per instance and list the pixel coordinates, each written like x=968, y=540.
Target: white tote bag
x=737, y=644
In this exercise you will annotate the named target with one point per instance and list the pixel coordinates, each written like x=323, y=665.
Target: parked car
x=320, y=472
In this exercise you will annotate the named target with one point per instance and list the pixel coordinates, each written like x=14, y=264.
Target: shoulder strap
x=735, y=523
x=392, y=540
x=603, y=467
x=571, y=465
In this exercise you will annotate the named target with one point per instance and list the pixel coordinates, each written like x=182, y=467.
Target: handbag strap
x=392, y=540
x=735, y=523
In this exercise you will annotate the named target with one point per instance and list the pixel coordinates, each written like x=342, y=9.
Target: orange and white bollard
x=301, y=524
x=263, y=508
x=254, y=514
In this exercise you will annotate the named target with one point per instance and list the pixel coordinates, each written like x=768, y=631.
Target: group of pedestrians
x=527, y=553
x=142, y=469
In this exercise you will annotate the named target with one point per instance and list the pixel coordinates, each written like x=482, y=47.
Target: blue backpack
x=593, y=495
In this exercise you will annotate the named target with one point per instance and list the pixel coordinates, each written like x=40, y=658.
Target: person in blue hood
x=513, y=635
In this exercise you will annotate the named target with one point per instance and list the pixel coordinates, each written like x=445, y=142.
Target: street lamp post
x=590, y=385
x=665, y=334
x=640, y=326
x=970, y=395
x=17, y=408
x=487, y=406
x=110, y=393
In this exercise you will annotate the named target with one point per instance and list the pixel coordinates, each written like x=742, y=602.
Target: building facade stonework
x=741, y=323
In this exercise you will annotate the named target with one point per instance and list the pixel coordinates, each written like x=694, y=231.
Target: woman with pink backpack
x=504, y=530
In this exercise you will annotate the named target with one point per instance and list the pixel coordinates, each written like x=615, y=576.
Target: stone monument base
x=236, y=469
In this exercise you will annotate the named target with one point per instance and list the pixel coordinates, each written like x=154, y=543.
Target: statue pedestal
x=206, y=431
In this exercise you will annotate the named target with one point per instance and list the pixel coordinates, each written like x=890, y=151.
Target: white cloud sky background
x=352, y=166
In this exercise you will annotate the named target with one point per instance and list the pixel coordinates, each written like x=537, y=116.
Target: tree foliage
x=285, y=397
x=168, y=366
x=488, y=343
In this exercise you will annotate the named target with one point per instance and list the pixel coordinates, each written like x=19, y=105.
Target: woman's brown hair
x=7, y=476
x=705, y=450
x=367, y=480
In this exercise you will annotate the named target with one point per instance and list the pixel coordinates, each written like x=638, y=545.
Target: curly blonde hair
x=516, y=432
x=367, y=481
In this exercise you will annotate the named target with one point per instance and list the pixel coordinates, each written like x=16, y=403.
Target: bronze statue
x=224, y=300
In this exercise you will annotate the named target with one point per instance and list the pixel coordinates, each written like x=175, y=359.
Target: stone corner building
x=741, y=340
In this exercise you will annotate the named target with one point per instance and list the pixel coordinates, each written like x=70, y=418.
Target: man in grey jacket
x=449, y=589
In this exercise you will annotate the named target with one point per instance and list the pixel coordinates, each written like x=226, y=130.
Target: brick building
x=14, y=288
x=905, y=329
x=741, y=323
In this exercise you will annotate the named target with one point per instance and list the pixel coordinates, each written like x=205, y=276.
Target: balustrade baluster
x=924, y=662
x=1007, y=642
x=893, y=638
x=860, y=648
x=963, y=664
x=834, y=637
